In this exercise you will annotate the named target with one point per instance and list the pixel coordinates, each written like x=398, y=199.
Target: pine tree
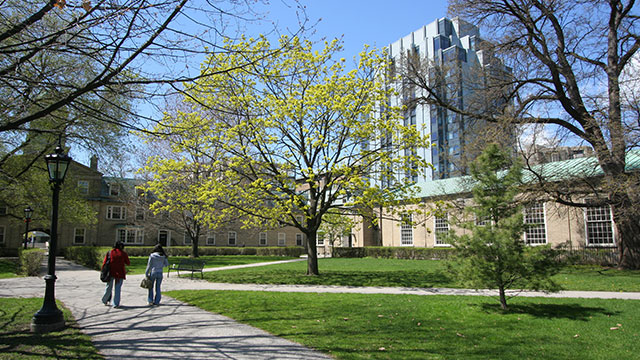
x=494, y=255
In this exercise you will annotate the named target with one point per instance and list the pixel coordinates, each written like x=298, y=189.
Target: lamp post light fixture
x=27, y=219
x=49, y=317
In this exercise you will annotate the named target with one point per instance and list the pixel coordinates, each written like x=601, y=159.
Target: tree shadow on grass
x=551, y=311
x=424, y=279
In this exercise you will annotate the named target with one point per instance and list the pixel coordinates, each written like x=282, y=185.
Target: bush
x=89, y=256
x=92, y=257
x=31, y=261
x=407, y=253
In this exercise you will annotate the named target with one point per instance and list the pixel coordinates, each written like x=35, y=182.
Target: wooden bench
x=192, y=265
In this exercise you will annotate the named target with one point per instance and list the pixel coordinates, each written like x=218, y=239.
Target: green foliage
x=92, y=257
x=89, y=256
x=388, y=252
x=494, y=255
x=31, y=261
x=434, y=327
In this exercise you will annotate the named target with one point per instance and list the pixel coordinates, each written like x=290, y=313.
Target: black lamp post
x=27, y=219
x=49, y=317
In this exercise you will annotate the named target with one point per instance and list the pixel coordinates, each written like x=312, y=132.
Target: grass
x=8, y=268
x=356, y=326
x=17, y=342
x=139, y=263
x=411, y=273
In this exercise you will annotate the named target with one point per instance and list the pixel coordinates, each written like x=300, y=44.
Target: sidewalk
x=176, y=330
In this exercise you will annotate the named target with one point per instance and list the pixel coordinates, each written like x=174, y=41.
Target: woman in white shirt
x=157, y=261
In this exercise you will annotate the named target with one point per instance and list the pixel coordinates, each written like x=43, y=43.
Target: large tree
x=568, y=58
x=301, y=135
x=90, y=70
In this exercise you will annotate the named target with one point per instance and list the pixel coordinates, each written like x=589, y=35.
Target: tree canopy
x=295, y=135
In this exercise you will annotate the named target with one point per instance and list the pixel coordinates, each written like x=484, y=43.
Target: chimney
x=94, y=163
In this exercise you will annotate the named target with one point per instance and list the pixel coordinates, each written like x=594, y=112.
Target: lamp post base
x=49, y=317
x=52, y=324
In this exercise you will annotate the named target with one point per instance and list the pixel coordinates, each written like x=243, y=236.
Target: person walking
x=118, y=260
x=157, y=261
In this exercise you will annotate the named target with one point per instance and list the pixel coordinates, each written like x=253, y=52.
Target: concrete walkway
x=176, y=330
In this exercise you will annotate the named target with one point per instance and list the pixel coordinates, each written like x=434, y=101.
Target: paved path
x=176, y=330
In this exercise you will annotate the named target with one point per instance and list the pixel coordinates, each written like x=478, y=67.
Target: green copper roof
x=553, y=171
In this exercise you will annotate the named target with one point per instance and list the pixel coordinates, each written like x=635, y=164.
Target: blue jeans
x=107, y=291
x=156, y=280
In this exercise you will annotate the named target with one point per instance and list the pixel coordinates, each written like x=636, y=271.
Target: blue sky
x=373, y=22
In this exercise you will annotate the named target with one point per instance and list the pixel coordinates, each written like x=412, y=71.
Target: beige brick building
x=122, y=214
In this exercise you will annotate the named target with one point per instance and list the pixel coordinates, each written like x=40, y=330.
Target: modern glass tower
x=449, y=56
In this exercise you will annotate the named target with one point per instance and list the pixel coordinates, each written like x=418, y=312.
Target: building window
x=2, y=229
x=3, y=210
x=262, y=238
x=441, y=228
x=299, y=239
x=187, y=238
x=320, y=240
x=535, y=232
x=139, y=214
x=599, y=225
x=211, y=238
x=114, y=189
x=232, y=237
x=116, y=212
x=130, y=236
x=282, y=239
x=83, y=187
x=406, y=230
x=79, y=236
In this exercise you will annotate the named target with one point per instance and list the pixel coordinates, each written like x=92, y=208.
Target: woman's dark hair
x=118, y=245
x=158, y=248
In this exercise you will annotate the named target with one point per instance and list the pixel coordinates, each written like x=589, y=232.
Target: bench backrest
x=193, y=263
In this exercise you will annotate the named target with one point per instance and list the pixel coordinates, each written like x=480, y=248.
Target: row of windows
x=136, y=236
x=598, y=223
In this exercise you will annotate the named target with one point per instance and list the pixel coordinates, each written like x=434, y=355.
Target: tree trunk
x=503, y=298
x=627, y=220
x=194, y=242
x=312, y=254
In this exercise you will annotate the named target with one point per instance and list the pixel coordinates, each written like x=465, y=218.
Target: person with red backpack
x=117, y=258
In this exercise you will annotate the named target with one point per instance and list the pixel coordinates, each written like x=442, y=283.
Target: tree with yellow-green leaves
x=293, y=136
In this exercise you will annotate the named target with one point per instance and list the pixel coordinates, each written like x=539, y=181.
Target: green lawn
x=17, y=342
x=410, y=273
x=356, y=326
x=139, y=263
x=8, y=268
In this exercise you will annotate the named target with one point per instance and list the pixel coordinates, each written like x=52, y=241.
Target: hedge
x=410, y=253
x=91, y=256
